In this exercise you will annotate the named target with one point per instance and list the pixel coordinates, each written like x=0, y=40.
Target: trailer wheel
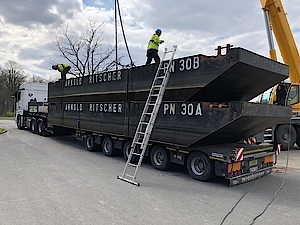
x=200, y=167
x=108, y=147
x=33, y=126
x=19, y=123
x=160, y=159
x=284, y=137
x=126, y=152
x=89, y=143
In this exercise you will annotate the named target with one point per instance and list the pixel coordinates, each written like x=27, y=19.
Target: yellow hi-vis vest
x=154, y=42
x=61, y=67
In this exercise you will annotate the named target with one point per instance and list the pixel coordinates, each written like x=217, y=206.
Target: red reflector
x=234, y=167
x=268, y=159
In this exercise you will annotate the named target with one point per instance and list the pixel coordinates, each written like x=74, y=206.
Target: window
x=266, y=96
x=293, y=97
x=18, y=96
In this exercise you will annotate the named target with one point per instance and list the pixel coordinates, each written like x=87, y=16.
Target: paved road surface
x=54, y=180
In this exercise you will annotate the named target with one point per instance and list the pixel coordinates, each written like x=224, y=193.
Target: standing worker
x=63, y=69
x=152, y=49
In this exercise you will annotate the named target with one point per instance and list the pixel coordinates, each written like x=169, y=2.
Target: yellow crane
x=285, y=93
x=275, y=14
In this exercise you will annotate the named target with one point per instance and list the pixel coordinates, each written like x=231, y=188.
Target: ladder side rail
x=164, y=85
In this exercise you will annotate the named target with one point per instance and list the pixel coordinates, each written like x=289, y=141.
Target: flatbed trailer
x=203, y=117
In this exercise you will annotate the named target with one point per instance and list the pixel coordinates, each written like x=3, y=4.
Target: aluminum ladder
x=147, y=120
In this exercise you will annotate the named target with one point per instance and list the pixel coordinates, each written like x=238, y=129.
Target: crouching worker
x=63, y=69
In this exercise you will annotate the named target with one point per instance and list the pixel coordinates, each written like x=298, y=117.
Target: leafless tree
x=11, y=77
x=37, y=79
x=86, y=53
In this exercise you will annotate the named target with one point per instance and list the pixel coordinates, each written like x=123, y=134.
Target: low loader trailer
x=204, y=116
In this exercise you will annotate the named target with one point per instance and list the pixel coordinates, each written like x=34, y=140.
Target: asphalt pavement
x=54, y=180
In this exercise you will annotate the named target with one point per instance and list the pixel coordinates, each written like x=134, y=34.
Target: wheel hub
x=107, y=147
x=158, y=158
x=198, y=166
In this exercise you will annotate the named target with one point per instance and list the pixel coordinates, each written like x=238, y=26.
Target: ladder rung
x=163, y=68
x=131, y=164
x=157, y=86
x=161, y=77
x=128, y=175
x=155, y=91
x=134, y=153
x=143, y=133
x=151, y=104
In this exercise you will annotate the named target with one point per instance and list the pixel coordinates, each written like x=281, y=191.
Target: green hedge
x=9, y=114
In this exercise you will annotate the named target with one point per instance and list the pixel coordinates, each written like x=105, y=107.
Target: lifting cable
x=117, y=5
x=116, y=34
x=283, y=180
x=275, y=193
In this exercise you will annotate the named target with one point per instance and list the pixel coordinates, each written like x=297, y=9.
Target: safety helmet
x=54, y=67
x=158, y=31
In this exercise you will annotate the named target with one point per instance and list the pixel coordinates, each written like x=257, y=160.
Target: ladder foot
x=128, y=181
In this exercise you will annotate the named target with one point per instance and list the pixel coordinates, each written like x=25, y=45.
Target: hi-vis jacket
x=61, y=67
x=154, y=42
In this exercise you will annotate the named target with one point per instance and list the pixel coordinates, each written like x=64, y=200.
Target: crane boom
x=284, y=37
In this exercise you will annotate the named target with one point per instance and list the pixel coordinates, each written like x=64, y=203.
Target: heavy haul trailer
x=204, y=114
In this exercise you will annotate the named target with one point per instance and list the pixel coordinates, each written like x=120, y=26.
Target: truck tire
x=283, y=136
x=40, y=127
x=200, y=167
x=126, y=152
x=108, y=147
x=160, y=158
x=19, y=123
x=89, y=143
x=33, y=126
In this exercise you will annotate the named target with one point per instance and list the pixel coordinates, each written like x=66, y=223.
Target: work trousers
x=64, y=72
x=152, y=54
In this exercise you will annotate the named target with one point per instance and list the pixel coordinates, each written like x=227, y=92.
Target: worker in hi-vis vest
x=152, y=49
x=63, y=69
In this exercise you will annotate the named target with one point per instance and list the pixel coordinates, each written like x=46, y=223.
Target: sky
x=28, y=27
